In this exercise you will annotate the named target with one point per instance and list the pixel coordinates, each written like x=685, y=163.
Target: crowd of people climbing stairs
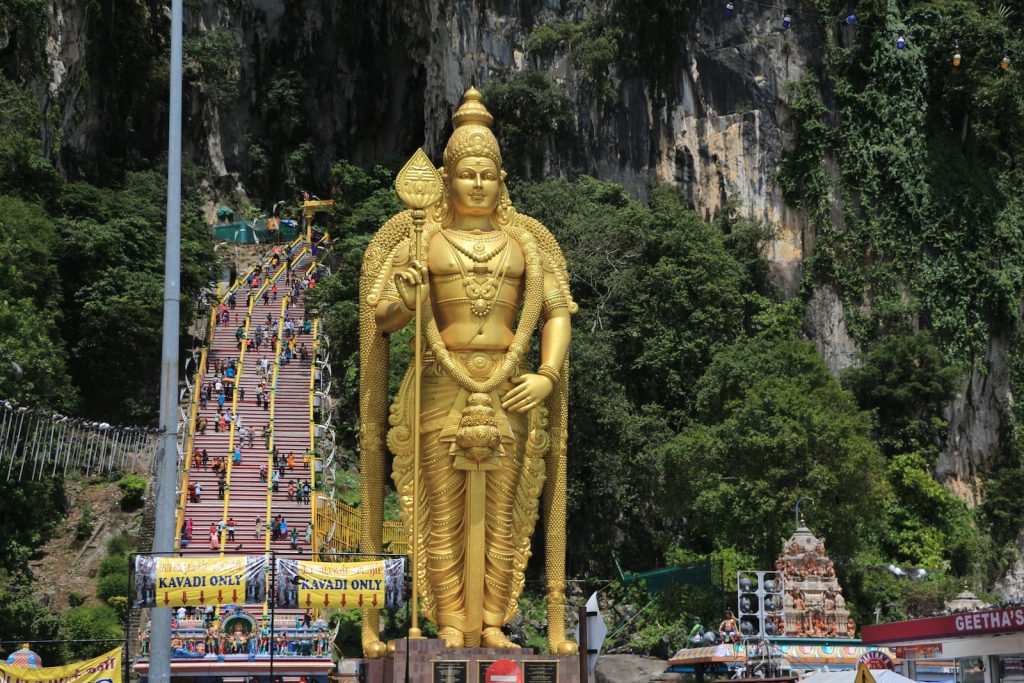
x=288, y=476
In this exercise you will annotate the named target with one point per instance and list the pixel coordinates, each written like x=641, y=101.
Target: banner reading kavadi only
x=103, y=669
x=377, y=583
x=178, y=581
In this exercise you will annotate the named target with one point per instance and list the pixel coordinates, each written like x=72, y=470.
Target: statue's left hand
x=531, y=390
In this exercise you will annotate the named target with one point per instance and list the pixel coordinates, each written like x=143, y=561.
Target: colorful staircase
x=285, y=423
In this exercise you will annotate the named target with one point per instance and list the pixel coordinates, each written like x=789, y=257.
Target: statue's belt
x=479, y=365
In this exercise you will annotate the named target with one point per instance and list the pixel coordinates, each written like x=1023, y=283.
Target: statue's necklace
x=481, y=286
x=479, y=253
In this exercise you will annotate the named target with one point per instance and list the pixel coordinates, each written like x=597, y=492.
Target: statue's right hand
x=407, y=280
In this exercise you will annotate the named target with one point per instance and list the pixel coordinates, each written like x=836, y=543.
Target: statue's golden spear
x=419, y=186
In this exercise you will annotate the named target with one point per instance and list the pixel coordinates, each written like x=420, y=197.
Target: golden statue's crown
x=472, y=135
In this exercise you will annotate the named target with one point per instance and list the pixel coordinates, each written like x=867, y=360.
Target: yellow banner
x=103, y=669
x=200, y=581
x=335, y=584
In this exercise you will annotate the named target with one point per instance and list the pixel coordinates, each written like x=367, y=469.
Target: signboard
x=875, y=659
x=377, y=583
x=987, y=622
x=450, y=671
x=596, y=632
x=504, y=671
x=923, y=651
x=193, y=582
x=540, y=671
x=103, y=669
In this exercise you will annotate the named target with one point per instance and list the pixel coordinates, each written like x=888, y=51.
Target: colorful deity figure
x=238, y=640
x=322, y=643
x=143, y=642
x=264, y=645
x=487, y=429
x=211, y=637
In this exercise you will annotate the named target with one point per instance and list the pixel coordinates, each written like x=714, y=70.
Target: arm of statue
x=533, y=388
x=397, y=303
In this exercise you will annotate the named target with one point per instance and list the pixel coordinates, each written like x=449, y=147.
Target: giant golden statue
x=492, y=431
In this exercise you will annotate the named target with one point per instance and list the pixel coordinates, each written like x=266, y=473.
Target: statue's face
x=475, y=186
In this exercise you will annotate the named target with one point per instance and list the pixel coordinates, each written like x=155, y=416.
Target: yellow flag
x=103, y=669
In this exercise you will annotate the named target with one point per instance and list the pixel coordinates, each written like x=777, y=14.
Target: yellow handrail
x=311, y=456
x=189, y=441
x=344, y=520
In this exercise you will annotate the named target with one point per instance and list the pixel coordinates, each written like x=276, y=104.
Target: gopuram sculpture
x=478, y=279
x=814, y=603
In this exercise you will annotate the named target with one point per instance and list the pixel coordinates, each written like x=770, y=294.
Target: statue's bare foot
x=493, y=637
x=374, y=649
x=452, y=636
x=566, y=647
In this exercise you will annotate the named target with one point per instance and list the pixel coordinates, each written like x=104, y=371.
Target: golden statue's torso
x=494, y=285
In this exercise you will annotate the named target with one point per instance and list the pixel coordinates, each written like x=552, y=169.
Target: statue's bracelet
x=549, y=372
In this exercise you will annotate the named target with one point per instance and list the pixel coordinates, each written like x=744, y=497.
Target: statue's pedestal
x=431, y=662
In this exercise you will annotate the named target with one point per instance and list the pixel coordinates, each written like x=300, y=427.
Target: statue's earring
x=504, y=211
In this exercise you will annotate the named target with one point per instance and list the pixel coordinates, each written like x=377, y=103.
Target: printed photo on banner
x=377, y=583
x=191, y=582
x=103, y=669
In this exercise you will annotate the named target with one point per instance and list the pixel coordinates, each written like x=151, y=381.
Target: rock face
x=378, y=82
x=628, y=669
x=975, y=420
x=825, y=324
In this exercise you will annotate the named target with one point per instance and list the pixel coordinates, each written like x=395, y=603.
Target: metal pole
x=584, y=646
x=166, y=480
x=14, y=448
x=273, y=605
x=5, y=432
x=126, y=672
x=35, y=445
x=62, y=447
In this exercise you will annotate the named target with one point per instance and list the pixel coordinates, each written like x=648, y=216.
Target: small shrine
x=966, y=601
x=814, y=603
x=25, y=658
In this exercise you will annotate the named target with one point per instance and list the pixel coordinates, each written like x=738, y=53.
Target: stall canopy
x=879, y=676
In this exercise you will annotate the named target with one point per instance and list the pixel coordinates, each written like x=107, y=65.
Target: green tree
x=926, y=526
x=531, y=112
x=904, y=379
x=212, y=61
x=90, y=623
x=24, y=617
x=24, y=171
x=771, y=425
